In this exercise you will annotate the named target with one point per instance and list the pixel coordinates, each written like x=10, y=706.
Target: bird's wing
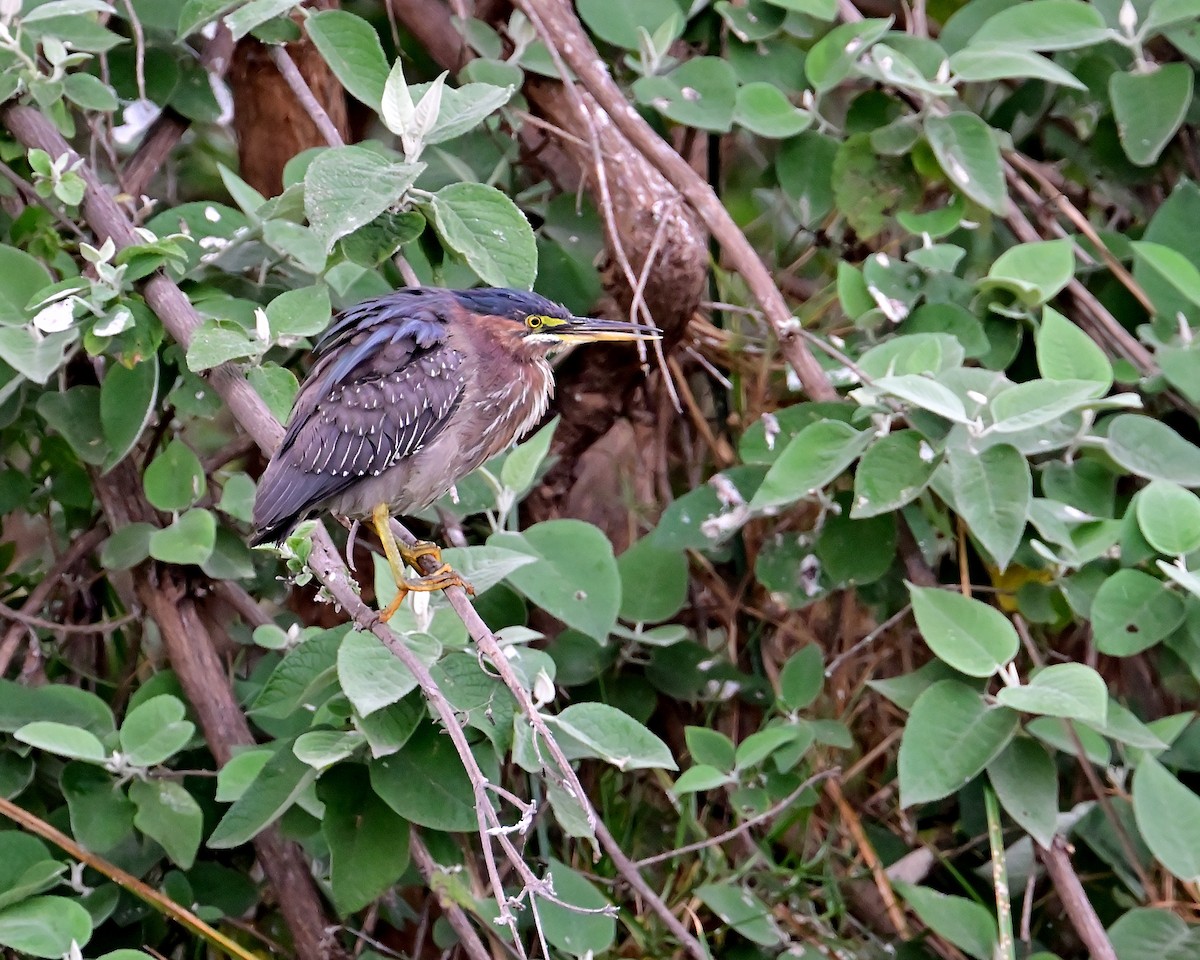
x=382, y=396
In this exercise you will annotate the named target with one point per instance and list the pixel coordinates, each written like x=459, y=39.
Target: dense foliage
x=897, y=651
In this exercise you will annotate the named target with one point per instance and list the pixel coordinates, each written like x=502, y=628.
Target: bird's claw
x=441, y=579
x=421, y=548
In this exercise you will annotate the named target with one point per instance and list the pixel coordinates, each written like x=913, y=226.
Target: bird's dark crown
x=510, y=304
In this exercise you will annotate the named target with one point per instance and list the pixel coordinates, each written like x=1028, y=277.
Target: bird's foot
x=421, y=548
x=442, y=578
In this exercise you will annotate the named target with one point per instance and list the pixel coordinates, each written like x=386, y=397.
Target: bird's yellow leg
x=396, y=555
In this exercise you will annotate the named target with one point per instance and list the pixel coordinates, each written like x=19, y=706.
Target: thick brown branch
x=562, y=31
x=164, y=593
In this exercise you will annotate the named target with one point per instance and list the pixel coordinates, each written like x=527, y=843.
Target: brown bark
x=165, y=594
x=271, y=125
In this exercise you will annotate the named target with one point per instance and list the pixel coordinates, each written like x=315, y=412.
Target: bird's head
x=531, y=319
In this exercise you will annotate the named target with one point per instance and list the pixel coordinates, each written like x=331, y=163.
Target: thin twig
x=100, y=626
x=468, y=936
x=80, y=547
x=745, y=825
x=894, y=911
x=299, y=86
x=127, y=881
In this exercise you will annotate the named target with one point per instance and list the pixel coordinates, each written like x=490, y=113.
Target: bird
x=408, y=393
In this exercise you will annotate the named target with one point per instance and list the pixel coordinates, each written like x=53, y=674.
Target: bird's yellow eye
x=535, y=322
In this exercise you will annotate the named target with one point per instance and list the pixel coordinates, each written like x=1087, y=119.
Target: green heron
x=409, y=393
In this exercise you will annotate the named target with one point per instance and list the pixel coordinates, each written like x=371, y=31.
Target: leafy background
x=861, y=620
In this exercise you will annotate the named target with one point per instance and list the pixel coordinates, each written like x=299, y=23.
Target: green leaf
x=654, y=582
x=24, y=277
x=1132, y=611
x=371, y=676
x=462, y=108
x=482, y=566
x=575, y=933
x=743, y=911
x=35, y=357
x=75, y=414
x=968, y=925
x=1149, y=109
x=486, y=229
x=606, y=733
x=1064, y=352
x=1035, y=272
x=1144, y=933
x=321, y=749
x=992, y=492
x=991, y=61
x=368, y=842
x=764, y=109
x=968, y=153
x=127, y=402
x=618, y=21
x=301, y=677
x=521, y=466
x=45, y=926
x=710, y=747
x=155, y=730
x=38, y=878
x=389, y=729
x=759, y=745
x=832, y=58
x=699, y=778
x=175, y=478
x=189, y=540
x=700, y=93
x=951, y=735
x=198, y=12
x=348, y=187
x=351, y=47
x=1169, y=517
x=924, y=393
x=216, y=342
x=90, y=93
x=101, y=813
x=303, y=312
x=1166, y=13
x=821, y=9
x=168, y=814
x=62, y=739
x=802, y=677
x=969, y=635
x=1026, y=781
x=1171, y=265
x=816, y=456
x=425, y=783
x=1168, y=817
x=254, y=14
x=575, y=577
x=1036, y=403
x=1153, y=450
x=280, y=781
x=20, y=705
x=1070, y=690
x=277, y=387
x=1046, y=25
x=893, y=472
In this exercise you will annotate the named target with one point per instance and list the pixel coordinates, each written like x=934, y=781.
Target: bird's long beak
x=591, y=329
